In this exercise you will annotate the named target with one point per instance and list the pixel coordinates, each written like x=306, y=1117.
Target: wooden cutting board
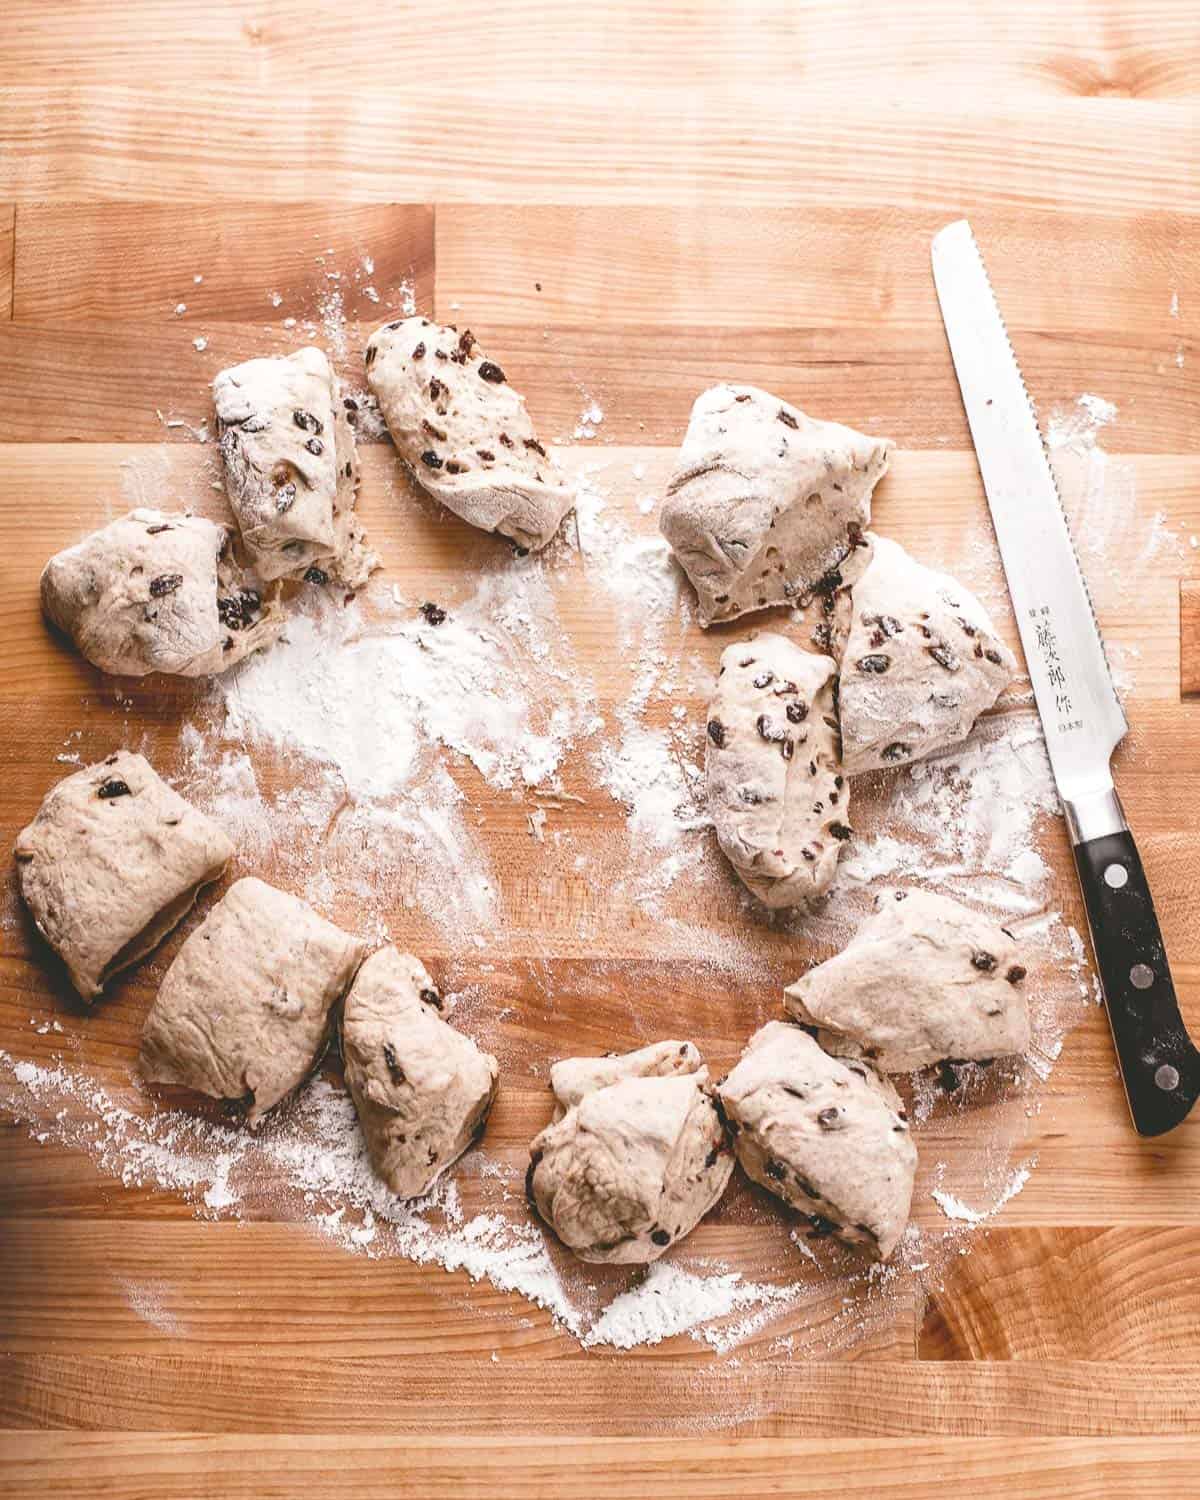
x=629, y=202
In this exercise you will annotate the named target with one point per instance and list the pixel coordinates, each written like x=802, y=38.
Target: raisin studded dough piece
x=635, y=1157
x=765, y=500
x=464, y=432
x=922, y=979
x=422, y=1089
x=829, y=1138
x=291, y=471
x=354, y=560
x=776, y=793
x=158, y=593
x=922, y=662
x=111, y=862
x=243, y=1012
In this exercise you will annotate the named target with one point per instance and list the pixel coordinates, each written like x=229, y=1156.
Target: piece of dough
x=922, y=661
x=112, y=861
x=765, y=501
x=922, y=979
x=158, y=593
x=829, y=1138
x=291, y=469
x=464, y=432
x=776, y=793
x=243, y=1012
x=422, y=1090
x=635, y=1157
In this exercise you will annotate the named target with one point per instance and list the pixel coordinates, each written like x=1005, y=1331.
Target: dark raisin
x=822, y=1228
x=984, y=962
x=349, y=403
x=490, y=371
x=486, y=454
x=434, y=613
x=944, y=657
x=534, y=444
x=113, y=788
x=827, y=1118
x=432, y=431
x=436, y=389
x=454, y=467
x=237, y=610
x=711, y=1159
x=787, y=419
x=994, y=657
x=369, y=358
x=431, y=997
x=316, y=575
x=948, y=1076
x=876, y=664
x=391, y=328
x=741, y=398
x=315, y=446
x=968, y=628
x=285, y=498
x=841, y=832
x=154, y=530
x=764, y=679
x=466, y=342
x=660, y=1237
x=430, y=459
x=716, y=733
x=895, y=751
x=419, y=351
x=774, y=1169
x=307, y=422
x=393, y=1063
x=506, y=440
x=440, y=354
x=165, y=583
x=797, y=712
x=1015, y=974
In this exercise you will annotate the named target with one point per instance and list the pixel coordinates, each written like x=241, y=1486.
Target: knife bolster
x=1094, y=815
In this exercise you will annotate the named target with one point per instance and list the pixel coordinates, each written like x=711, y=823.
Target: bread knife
x=1082, y=717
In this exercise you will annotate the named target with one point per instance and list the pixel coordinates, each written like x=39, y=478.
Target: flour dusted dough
x=421, y=1088
x=464, y=432
x=921, y=663
x=291, y=470
x=765, y=500
x=776, y=793
x=243, y=1012
x=636, y=1155
x=112, y=861
x=158, y=593
x=828, y=1137
x=923, y=979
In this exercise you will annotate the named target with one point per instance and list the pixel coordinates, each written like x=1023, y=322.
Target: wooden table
x=637, y=200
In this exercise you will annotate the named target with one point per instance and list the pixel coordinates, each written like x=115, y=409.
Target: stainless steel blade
x=1081, y=714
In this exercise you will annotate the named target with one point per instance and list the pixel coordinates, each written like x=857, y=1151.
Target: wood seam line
x=12, y=269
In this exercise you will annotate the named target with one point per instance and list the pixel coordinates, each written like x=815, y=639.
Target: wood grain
x=625, y=203
x=1189, y=638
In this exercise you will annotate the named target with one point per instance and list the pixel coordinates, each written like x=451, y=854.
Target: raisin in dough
x=922, y=979
x=776, y=793
x=765, y=501
x=829, y=1138
x=635, y=1157
x=464, y=432
x=922, y=662
x=112, y=861
x=158, y=593
x=243, y=1012
x=291, y=470
x=422, y=1089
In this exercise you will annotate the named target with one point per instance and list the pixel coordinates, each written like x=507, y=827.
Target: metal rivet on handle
x=1141, y=976
x=1167, y=1078
x=1116, y=876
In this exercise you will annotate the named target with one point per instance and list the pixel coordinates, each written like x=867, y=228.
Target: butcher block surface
x=626, y=202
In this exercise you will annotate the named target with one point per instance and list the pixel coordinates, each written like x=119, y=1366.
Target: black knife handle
x=1159, y=1064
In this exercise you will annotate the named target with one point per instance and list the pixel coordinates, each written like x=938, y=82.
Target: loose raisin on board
x=787, y=419
x=113, y=788
x=660, y=1236
x=944, y=657
x=434, y=613
x=895, y=751
x=874, y=664
x=1015, y=974
x=490, y=371
x=307, y=422
x=984, y=962
x=716, y=733
x=393, y=1063
x=165, y=583
x=430, y=459
x=316, y=575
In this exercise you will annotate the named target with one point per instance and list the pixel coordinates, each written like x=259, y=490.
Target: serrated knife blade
x=1082, y=718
